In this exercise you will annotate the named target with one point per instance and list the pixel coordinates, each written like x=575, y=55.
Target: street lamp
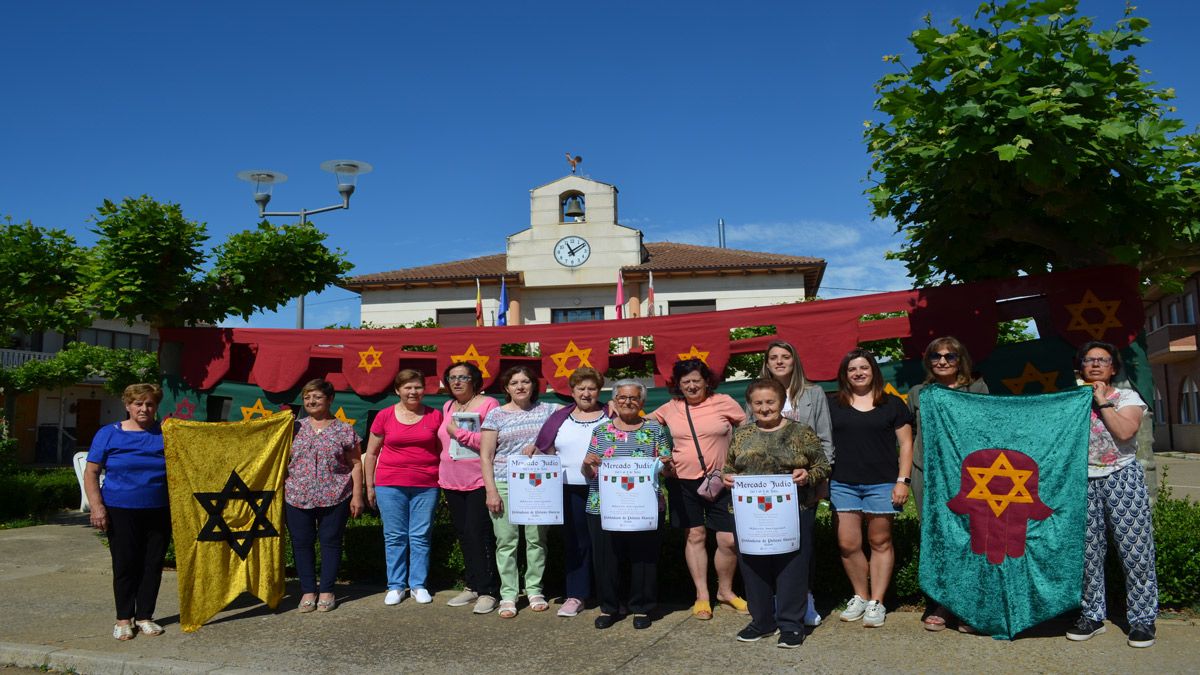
x=347, y=172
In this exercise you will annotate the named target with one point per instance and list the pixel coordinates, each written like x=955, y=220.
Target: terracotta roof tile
x=663, y=257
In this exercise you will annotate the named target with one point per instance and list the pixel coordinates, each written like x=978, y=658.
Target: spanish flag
x=226, y=488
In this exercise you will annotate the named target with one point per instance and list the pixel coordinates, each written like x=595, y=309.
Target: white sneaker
x=811, y=618
x=422, y=596
x=463, y=599
x=854, y=609
x=393, y=597
x=874, y=615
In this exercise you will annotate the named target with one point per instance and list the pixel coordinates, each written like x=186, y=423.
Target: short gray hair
x=630, y=382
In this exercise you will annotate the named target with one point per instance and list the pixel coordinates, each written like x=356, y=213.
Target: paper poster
x=628, y=500
x=468, y=421
x=766, y=514
x=535, y=490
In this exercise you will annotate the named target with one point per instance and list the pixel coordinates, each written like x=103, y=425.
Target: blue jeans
x=407, y=514
x=306, y=526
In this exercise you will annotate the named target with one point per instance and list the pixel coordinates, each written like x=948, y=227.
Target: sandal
x=306, y=606
x=967, y=628
x=934, y=622
x=123, y=632
x=537, y=603
x=508, y=609
x=326, y=605
x=148, y=627
x=702, y=610
x=737, y=604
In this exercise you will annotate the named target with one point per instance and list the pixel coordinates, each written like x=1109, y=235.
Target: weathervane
x=574, y=162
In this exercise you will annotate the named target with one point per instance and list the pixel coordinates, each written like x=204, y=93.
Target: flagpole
x=478, y=305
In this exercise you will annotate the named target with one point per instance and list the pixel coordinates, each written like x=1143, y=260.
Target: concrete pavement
x=1182, y=470
x=55, y=582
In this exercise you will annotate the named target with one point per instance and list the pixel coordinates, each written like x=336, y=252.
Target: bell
x=574, y=207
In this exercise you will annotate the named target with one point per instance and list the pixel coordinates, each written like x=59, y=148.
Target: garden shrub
x=35, y=493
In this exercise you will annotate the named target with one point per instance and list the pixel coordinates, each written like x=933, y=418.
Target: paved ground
x=1183, y=472
x=55, y=584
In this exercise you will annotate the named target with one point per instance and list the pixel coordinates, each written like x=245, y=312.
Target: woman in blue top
x=132, y=507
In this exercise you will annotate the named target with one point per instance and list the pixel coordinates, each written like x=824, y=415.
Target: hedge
x=1176, y=535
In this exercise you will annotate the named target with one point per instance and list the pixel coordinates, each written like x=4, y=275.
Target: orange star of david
x=472, y=354
x=560, y=359
x=341, y=415
x=1031, y=374
x=369, y=360
x=1107, y=309
x=255, y=410
x=694, y=353
x=1000, y=468
x=889, y=389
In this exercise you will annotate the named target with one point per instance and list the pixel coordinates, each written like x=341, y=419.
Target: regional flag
x=1005, y=503
x=226, y=488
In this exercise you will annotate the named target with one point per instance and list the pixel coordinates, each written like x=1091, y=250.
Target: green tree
x=1026, y=141
x=150, y=266
x=41, y=280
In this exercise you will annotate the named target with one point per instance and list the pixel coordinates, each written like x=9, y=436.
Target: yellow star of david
x=694, y=353
x=1031, y=374
x=341, y=415
x=560, y=359
x=889, y=389
x=255, y=410
x=1107, y=309
x=472, y=354
x=1000, y=468
x=369, y=360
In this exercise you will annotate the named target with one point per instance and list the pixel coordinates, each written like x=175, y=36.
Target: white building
x=564, y=267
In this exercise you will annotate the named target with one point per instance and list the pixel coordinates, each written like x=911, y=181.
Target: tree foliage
x=1026, y=141
x=41, y=278
x=78, y=362
x=150, y=264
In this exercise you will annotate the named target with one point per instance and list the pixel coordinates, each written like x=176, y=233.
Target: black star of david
x=216, y=529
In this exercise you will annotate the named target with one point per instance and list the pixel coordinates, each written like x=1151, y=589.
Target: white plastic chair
x=80, y=461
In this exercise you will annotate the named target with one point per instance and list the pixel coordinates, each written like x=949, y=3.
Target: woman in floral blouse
x=627, y=435
x=323, y=489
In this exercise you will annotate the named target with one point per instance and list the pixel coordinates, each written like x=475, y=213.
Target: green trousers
x=508, y=538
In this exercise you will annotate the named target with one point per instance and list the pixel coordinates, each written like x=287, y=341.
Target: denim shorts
x=875, y=498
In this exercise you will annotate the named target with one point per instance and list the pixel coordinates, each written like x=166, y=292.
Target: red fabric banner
x=279, y=363
x=706, y=340
x=1102, y=306
x=562, y=357
x=370, y=364
x=479, y=347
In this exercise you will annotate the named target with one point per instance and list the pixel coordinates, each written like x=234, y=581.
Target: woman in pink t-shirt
x=461, y=480
x=401, y=470
x=713, y=418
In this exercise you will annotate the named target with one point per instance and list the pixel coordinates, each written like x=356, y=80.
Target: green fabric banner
x=1005, y=504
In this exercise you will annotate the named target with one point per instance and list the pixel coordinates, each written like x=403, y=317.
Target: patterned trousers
x=1118, y=503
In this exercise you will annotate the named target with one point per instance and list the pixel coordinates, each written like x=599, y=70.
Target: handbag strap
x=695, y=439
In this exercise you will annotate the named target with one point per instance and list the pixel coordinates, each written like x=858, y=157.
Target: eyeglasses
x=459, y=378
x=1098, y=360
x=948, y=357
x=627, y=399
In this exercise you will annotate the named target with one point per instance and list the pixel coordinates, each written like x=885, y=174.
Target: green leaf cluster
x=78, y=362
x=150, y=263
x=1027, y=141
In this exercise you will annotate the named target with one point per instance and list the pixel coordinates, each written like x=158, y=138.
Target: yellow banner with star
x=226, y=488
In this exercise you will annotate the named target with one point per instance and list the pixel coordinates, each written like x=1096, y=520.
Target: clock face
x=572, y=251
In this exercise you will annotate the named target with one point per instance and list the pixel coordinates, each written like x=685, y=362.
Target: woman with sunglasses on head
x=870, y=479
x=946, y=363
x=1117, y=501
x=701, y=423
x=460, y=475
x=805, y=402
x=507, y=431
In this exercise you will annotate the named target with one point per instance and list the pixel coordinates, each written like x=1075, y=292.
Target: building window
x=1189, y=403
x=1160, y=408
x=576, y=314
x=1154, y=322
x=456, y=318
x=691, y=306
x=1189, y=308
x=1173, y=313
x=117, y=339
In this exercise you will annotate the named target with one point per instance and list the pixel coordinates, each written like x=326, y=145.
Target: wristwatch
x=904, y=479
x=1106, y=405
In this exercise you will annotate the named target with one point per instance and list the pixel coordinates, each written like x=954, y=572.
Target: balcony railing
x=14, y=358
x=1171, y=343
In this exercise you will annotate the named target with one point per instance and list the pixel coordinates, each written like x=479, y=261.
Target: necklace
x=462, y=407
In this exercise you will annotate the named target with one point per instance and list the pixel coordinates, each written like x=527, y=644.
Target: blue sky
x=750, y=111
